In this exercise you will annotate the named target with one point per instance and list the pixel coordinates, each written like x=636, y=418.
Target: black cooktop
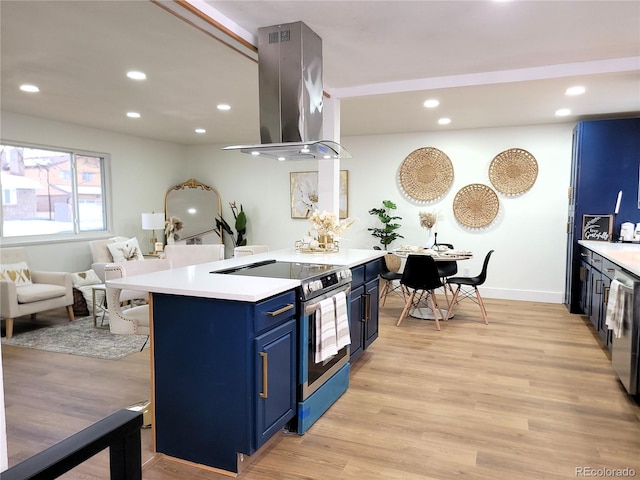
x=276, y=269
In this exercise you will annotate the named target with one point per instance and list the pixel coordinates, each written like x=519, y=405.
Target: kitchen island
x=225, y=355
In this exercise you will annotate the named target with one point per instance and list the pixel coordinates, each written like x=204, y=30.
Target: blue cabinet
x=605, y=160
x=364, y=318
x=275, y=390
x=224, y=375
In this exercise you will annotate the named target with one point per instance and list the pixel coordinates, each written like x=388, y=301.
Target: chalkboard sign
x=597, y=227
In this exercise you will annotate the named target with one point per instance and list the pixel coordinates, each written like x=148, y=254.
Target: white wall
x=528, y=236
x=140, y=170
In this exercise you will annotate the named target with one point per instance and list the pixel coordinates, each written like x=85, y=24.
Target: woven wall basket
x=426, y=174
x=476, y=205
x=513, y=171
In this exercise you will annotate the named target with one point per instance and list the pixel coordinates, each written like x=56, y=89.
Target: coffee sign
x=597, y=227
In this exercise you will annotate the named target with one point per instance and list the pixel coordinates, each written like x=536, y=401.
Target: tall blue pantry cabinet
x=605, y=160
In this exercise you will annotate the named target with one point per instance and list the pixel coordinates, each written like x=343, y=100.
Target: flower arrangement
x=327, y=223
x=172, y=228
x=427, y=219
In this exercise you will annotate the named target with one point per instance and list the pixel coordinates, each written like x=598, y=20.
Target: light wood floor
x=530, y=396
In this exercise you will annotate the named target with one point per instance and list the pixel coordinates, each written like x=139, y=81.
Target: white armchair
x=102, y=257
x=26, y=292
x=101, y=254
x=184, y=255
x=133, y=320
x=249, y=250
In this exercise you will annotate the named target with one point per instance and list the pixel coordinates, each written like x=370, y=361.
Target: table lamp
x=153, y=221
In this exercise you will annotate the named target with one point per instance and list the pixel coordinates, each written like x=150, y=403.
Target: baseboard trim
x=522, y=295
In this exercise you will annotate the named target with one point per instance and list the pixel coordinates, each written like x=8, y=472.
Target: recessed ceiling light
x=577, y=90
x=281, y=159
x=29, y=88
x=223, y=106
x=133, y=115
x=444, y=121
x=255, y=153
x=200, y=130
x=431, y=103
x=563, y=112
x=135, y=75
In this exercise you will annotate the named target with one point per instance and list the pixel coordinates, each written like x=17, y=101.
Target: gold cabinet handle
x=288, y=306
x=606, y=295
x=583, y=272
x=609, y=270
x=367, y=307
x=265, y=370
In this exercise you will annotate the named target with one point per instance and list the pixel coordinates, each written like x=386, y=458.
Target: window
x=50, y=192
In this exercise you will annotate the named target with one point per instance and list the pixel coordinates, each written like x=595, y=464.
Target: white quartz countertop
x=197, y=281
x=626, y=255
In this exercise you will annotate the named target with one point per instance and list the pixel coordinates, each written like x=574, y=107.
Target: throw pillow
x=87, y=293
x=125, y=251
x=80, y=279
x=17, y=273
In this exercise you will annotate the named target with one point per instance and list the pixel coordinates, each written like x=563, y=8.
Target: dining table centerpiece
x=428, y=220
x=328, y=229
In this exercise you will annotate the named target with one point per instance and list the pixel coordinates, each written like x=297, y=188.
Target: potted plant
x=387, y=233
x=240, y=225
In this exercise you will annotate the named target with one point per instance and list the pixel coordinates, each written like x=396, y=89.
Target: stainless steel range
x=319, y=384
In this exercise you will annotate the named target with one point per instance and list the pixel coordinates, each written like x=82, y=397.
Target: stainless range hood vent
x=319, y=150
x=290, y=81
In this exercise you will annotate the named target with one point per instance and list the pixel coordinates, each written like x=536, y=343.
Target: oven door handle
x=309, y=309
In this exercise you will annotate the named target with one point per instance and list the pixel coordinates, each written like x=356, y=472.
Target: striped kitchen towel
x=325, y=331
x=342, y=320
x=615, y=309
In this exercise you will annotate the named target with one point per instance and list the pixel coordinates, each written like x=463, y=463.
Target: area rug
x=79, y=338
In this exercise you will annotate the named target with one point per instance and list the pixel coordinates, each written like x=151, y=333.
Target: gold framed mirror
x=197, y=206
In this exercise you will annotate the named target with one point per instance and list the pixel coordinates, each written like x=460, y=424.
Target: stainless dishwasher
x=625, y=351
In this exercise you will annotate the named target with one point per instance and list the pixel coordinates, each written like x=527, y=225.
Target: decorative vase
x=170, y=240
x=323, y=240
x=431, y=238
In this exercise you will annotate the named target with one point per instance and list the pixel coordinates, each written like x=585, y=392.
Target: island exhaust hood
x=290, y=82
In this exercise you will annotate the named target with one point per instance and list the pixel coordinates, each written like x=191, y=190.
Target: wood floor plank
x=531, y=396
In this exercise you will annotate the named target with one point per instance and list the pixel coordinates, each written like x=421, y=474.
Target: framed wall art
x=304, y=194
